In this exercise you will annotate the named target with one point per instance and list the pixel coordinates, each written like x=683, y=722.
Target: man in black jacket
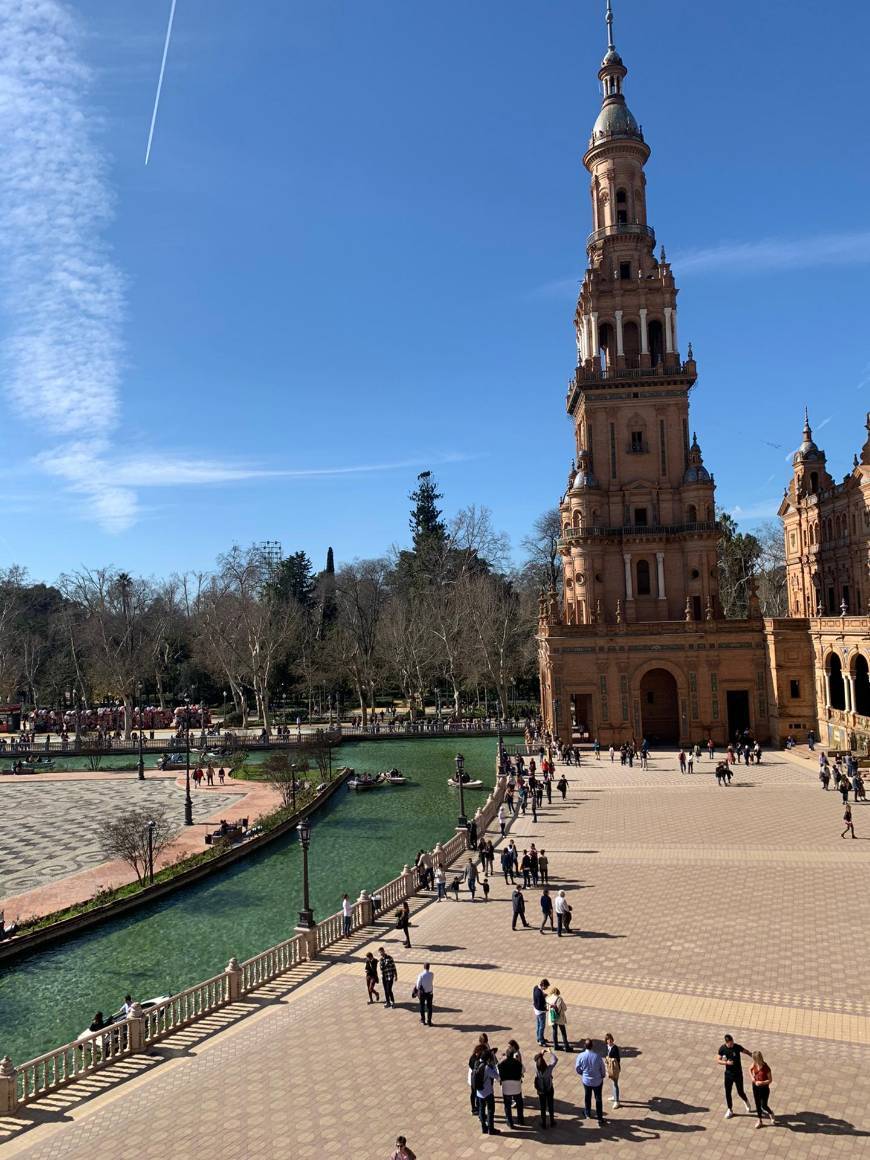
x=519, y=908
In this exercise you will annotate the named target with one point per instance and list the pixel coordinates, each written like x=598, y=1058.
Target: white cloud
x=762, y=510
x=62, y=292
x=766, y=254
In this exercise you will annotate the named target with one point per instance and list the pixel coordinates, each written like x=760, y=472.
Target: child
x=485, y=888
x=454, y=886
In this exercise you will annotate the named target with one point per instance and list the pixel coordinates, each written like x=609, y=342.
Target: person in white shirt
x=563, y=913
x=501, y=818
x=346, y=914
x=425, y=988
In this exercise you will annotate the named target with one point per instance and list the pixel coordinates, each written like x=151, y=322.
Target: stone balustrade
x=82, y=1057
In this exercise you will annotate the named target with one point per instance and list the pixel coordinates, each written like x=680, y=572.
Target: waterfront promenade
x=698, y=910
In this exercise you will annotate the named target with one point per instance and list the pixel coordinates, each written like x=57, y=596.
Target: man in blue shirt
x=590, y=1068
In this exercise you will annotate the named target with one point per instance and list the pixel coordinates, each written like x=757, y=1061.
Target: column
x=593, y=327
x=669, y=341
x=618, y=315
x=644, y=344
x=581, y=339
x=660, y=568
x=849, y=689
x=629, y=592
x=674, y=329
x=827, y=690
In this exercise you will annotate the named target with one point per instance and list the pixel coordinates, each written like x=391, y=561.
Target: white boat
x=120, y=1017
x=469, y=783
x=392, y=777
x=366, y=781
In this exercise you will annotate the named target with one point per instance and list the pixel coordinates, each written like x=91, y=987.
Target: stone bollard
x=233, y=972
x=8, y=1087
x=365, y=909
x=136, y=1029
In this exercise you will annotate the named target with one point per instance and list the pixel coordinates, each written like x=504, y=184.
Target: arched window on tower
x=631, y=344
x=643, y=578
x=656, y=342
x=621, y=206
x=691, y=514
x=607, y=345
x=814, y=483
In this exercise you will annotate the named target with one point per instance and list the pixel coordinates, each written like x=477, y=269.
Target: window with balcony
x=625, y=271
x=640, y=520
x=643, y=578
x=636, y=445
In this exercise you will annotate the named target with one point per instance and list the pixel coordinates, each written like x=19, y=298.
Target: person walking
x=729, y=1058
x=546, y=909
x=544, y=868
x=440, y=883
x=526, y=869
x=510, y=1074
x=507, y=865
x=545, y=1065
x=485, y=1075
x=389, y=974
x=470, y=876
x=762, y=1078
x=518, y=903
x=563, y=914
x=502, y=818
x=539, y=1006
x=556, y=1017
x=681, y=757
x=562, y=786
x=371, y=967
x=484, y=886
x=534, y=867
x=346, y=915
x=843, y=787
x=403, y=921
x=847, y=818
x=402, y=1151
x=613, y=1066
x=425, y=988
x=590, y=1067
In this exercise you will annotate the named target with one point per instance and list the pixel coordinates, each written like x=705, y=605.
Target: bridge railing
x=48, y=1073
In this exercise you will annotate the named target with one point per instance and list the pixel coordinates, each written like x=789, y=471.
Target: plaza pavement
x=51, y=829
x=697, y=909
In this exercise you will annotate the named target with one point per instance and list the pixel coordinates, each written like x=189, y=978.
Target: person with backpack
x=480, y=1049
x=403, y=921
x=485, y=1076
x=545, y=1065
x=556, y=1009
x=613, y=1066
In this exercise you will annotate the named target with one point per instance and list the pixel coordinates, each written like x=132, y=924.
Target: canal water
x=359, y=841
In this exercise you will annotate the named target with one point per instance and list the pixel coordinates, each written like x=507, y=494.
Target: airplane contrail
x=160, y=81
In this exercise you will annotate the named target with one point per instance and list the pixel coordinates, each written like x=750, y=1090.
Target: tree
x=282, y=774
x=494, y=611
x=738, y=559
x=427, y=527
x=361, y=593
x=115, y=630
x=293, y=579
x=542, y=549
x=772, y=588
x=126, y=837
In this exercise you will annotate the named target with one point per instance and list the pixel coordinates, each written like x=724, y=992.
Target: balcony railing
x=622, y=229
x=653, y=530
x=661, y=370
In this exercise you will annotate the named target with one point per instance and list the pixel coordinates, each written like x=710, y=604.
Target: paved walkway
x=51, y=831
x=698, y=910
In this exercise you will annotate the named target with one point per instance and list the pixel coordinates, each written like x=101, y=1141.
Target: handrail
x=620, y=229
x=593, y=532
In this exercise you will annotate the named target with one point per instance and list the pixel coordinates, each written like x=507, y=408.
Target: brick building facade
x=638, y=645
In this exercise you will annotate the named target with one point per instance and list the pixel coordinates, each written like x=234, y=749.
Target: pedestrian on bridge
x=389, y=974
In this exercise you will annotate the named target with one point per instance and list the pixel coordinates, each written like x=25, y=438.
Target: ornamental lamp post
x=141, y=765
x=460, y=773
x=152, y=826
x=188, y=801
x=306, y=915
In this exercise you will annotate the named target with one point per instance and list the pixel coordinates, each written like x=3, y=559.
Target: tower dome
x=808, y=450
x=696, y=472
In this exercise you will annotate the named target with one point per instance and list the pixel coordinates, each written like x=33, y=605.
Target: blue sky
x=354, y=255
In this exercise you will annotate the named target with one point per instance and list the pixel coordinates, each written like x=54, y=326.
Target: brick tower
x=639, y=532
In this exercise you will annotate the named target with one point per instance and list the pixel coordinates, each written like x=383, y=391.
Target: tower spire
x=609, y=18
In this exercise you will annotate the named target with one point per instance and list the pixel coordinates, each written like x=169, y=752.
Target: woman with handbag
x=556, y=1008
x=613, y=1066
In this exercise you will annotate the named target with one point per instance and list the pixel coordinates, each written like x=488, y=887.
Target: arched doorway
x=660, y=706
x=862, y=686
x=838, y=692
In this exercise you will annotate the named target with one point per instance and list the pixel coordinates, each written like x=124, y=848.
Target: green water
x=359, y=841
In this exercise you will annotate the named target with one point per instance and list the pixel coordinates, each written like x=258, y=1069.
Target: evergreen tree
x=426, y=524
x=294, y=577
x=326, y=590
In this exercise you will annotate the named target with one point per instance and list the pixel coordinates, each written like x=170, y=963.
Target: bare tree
x=542, y=549
x=494, y=611
x=772, y=588
x=114, y=629
x=126, y=838
x=361, y=593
